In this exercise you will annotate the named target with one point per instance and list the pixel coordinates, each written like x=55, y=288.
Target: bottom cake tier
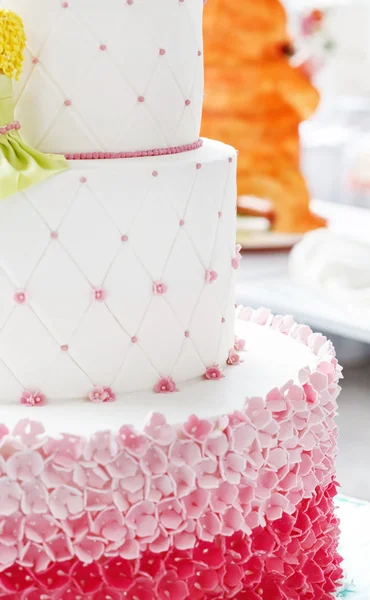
x=236, y=502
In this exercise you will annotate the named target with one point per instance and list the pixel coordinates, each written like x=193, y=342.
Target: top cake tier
x=110, y=76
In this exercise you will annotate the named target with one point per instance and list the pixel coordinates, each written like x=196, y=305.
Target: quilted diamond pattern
x=115, y=53
x=114, y=227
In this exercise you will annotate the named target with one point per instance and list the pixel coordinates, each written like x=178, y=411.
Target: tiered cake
x=165, y=458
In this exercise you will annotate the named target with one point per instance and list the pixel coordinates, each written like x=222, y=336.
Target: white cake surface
x=271, y=359
x=86, y=249
x=110, y=76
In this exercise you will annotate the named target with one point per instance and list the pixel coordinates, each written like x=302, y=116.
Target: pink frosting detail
x=162, y=51
x=159, y=288
x=67, y=103
x=100, y=294
x=103, y=47
x=213, y=373
x=136, y=154
x=14, y=126
x=199, y=53
x=187, y=333
x=30, y=398
x=239, y=344
x=35, y=60
x=210, y=276
x=187, y=102
x=54, y=235
x=105, y=497
x=219, y=214
x=83, y=179
x=101, y=394
x=130, y=2
x=233, y=358
x=141, y=99
x=230, y=159
x=165, y=386
x=223, y=320
x=155, y=173
x=235, y=261
x=293, y=557
x=64, y=348
x=134, y=339
x=182, y=223
x=198, y=166
x=65, y=4
x=20, y=297
x=124, y=238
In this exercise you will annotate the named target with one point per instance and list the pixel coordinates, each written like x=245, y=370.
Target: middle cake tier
x=118, y=273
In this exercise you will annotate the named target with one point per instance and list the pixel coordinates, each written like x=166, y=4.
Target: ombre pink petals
x=213, y=373
x=132, y=442
x=89, y=550
x=198, y=429
x=196, y=503
x=239, y=344
x=236, y=260
x=170, y=587
x=24, y=466
x=210, y=276
x=158, y=430
x=259, y=416
x=101, y=394
x=119, y=574
x=159, y=288
x=142, y=519
x=32, y=398
x=233, y=358
x=185, y=452
x=31, y=433
x=166, y=385
x=109, y=525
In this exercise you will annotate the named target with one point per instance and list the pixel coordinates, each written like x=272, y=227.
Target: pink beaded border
x=10, y=127
x=137, y=154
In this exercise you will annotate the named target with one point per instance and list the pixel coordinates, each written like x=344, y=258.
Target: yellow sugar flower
x=12, y=43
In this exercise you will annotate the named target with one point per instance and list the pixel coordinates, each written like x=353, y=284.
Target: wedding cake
x=155, y=442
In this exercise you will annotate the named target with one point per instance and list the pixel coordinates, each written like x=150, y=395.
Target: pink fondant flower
x=210, y=276
x=109, y=524
x=159, y=430
x=239, y=344
x=25, y=466
x=101, y=394
x=165, y=385
x=135, y=444
x=213, y=373
x=31, y=433
x=159, y=288
x=30, y=398
x=198, y=429
x=233, y=358
x=235, y=261
x=100, y=294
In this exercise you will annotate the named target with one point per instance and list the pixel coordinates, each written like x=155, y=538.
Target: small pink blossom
x=198, y=429
x=20, y=297
x=233, y=358
x=101, y=394
x=213, y=373
x=30, y=398
x=239, y=344
x=100, y=294
x=159, y=430
x=166, y=385
x=159, y=288
x=210, y=276
x=235, y=261
x=134, y=443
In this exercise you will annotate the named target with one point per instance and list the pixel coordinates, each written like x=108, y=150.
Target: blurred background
x=291, y=91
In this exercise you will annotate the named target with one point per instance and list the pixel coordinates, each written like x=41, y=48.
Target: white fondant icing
x=102, y=56
x=65, y=238
x=271, y=360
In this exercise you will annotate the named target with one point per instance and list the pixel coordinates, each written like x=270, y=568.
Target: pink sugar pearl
x=155, y=173
x=124, y=238
x=54, y=235
x=198, y=166
x=162, y=51
x=141, y=99
x=182, y=223
x=103, y=47
x=67, y=103
x=83, y=179
x=187, y=102
x=65, y=4
x=64, y=348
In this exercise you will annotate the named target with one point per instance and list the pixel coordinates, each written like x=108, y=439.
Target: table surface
x=263, y=280
x=355, y=548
